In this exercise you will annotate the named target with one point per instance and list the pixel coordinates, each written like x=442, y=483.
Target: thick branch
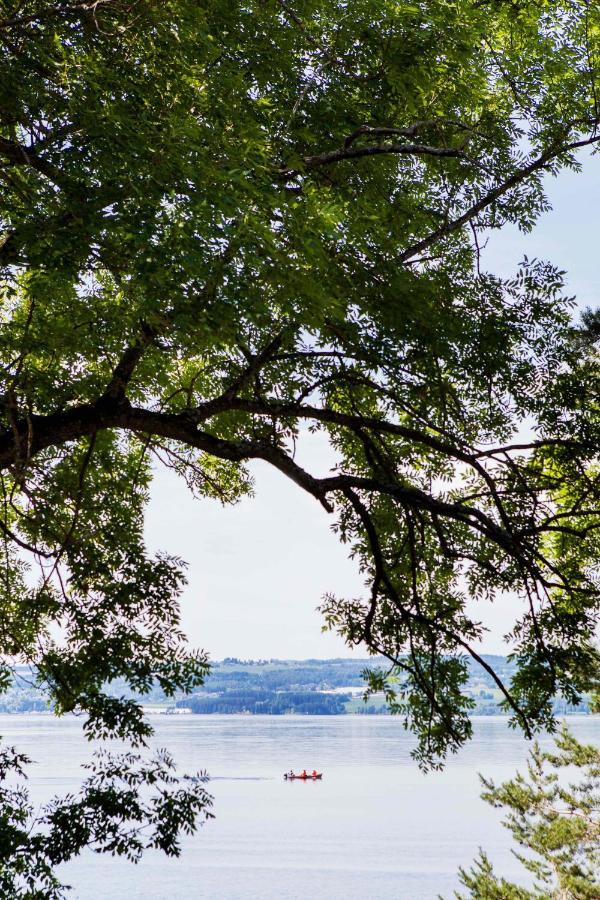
x=123, y=371
x=411, y=435
x=18, y=155
x=42, y=432
x=113, y=411
x=345, y=153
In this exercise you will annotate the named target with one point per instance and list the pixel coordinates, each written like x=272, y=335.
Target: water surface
x=375, y=827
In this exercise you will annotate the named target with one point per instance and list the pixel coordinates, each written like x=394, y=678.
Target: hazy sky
x=258, y=570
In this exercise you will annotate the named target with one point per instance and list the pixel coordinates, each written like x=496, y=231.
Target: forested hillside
x=277, y=687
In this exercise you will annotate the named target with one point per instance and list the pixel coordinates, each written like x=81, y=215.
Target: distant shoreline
x=276, y=687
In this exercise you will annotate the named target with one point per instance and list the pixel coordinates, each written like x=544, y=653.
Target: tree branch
x=123, y=371
x=345, y=153
x=496, y=193
x=18, y=155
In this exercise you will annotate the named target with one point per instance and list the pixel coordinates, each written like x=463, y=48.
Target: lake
x=375, y=827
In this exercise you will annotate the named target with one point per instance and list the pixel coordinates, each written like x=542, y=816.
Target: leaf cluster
x=555, y=822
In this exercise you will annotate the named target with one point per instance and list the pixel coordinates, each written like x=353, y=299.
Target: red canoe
x=303, y=777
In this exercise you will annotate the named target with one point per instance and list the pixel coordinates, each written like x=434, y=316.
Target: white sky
x=258, y=570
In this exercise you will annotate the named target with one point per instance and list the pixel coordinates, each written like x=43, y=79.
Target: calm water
x=375, y=827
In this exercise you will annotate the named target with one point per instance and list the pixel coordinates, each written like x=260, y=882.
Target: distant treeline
x=317, y=687
x=271, y=703
x=275, y=687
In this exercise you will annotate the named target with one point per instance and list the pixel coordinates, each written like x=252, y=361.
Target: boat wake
x=240, y=778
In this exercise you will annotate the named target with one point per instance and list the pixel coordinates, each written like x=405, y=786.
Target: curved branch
x=42, y=432
x=345, y=153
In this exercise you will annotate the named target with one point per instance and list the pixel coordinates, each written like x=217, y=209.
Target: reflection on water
x=375, y=827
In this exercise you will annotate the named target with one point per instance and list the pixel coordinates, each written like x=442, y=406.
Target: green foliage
x=125, y=805
x=557, y=823
x=224, y=224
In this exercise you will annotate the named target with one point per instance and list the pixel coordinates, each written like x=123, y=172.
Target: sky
x=258, y=570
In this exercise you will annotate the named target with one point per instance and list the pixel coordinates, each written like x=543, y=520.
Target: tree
x=226, y=225
x=556, y=822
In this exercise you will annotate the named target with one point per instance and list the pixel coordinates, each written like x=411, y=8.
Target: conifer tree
x=553, y=813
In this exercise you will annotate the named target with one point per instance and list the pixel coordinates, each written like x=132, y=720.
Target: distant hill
x=280, y=686
x=322, y=686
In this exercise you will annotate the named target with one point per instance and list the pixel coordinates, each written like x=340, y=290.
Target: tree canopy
x=224, y=225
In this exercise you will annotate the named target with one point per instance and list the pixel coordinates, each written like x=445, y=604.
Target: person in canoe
x=304, y=775
x=314, y=773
